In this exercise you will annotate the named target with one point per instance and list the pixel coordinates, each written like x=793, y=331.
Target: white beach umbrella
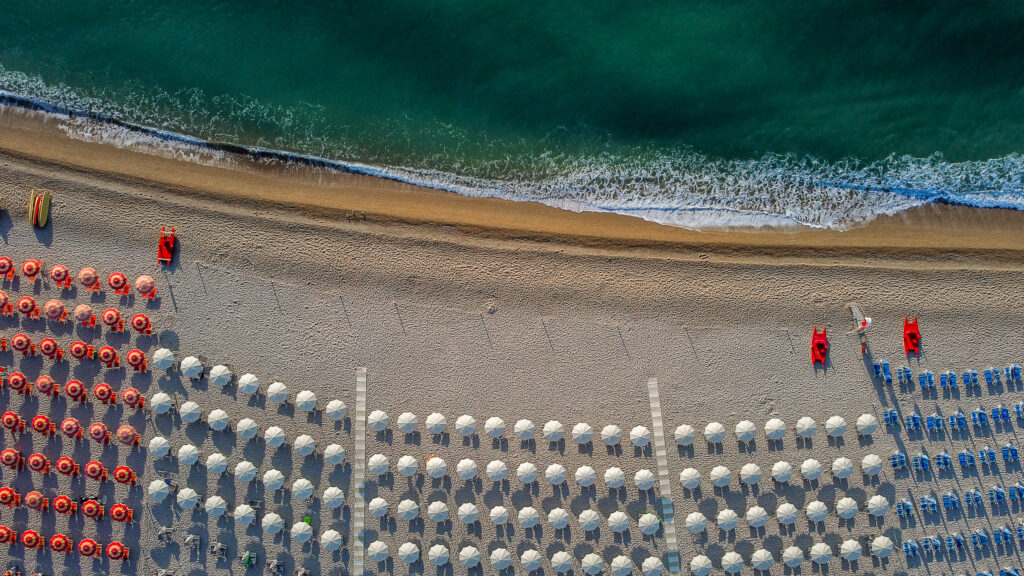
x=162, y=359
x=553, y=431
x=438, y=555
x=499, y=515
x=190, y=412
x=528, y=517
x=333, y=497
x=821, y=553
x=469, y=556
x=378, y=421
x=810, y=469
x=786, y=513
x=775, y=429
x=245, y=471
x=465, y=425
x=816, y=511
x=500, y=559
x=700, y=565
x=561, y=562
x=301, y=532
x=378, y=551
x=466, y=469
x=336, y=410
x=248, y=384
x=851, y=550
x=216, y=463
x=409, y=553
x=782, y=471
x=188, y=455
x=437, y=511
x=220, y=375
x=524, y=429
x=732, y=562
x=334, y=454
x=244, y=514
x=217, y=419
x=436, y=467
x=215, y=506
x=685, y=434
x=745, y=431
x=589, y=520
x=846, y=508
x=246, y=429
x=305, y=401
x=614, y=477
x=793, y=556
x=277, y=393
x=273, y=480
x=378, y=464
x=690, y=478
x=756, y=517
x=407, y=422
x=274, y=436
x=331, y=540
x=720, y=476
x=407, y=465
x=867, y=424
x=621, y=565
x=158, y=490
x=652, y=566
x=494, y=427
x=714, y=433
x=160, y=403
x=436, y=423
x=591, y=564
x=649, y=524
x=530, y=560
x=611, y=434
x=586, y=476
x=878, y=505
x=835, y=426
x=644, y=479
x=272, y=523
x=191, y=367
x=696, y=522
x=159, y=447
x=582, y=433
x=302, y=489
x=750, y=473
x=727, y=520
x=640, y=436
x=842, y=467
x=496, y=470
x=558, y=518
x=881, y=547
x=806, y=427
x=871, y=464
x=187, y=498
x=468, y=513
x=304, y=445
x=761, y=559
x=527, y=472
x=378, y=507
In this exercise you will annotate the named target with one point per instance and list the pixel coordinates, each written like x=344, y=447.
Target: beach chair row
x=958, y=421
x=979, y=540
x=922, y=462
x=926, y=379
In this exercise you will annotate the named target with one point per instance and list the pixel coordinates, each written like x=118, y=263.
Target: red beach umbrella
x=75, y=390
x=127, y=435
x=27, y=306
x=31, y=539
x=46, y=386
x=89, y=278
x=38, y=463
x=63, y=505
x=19, y=383
x=88, y=547
x=142, y=324
x=145, y=286
x=4, y=300
x=83, y=313
x=60, y=543
x=59, y=274
x=54, y=310
x=117, y=551
x=35, y=501
x=31, y=268
x=6, y=267
x=12, y=421
x=124, y=475
x=121, y=513
x=104, y=393
x=133, y=398
x=136, y=359
x=95, y=470
x=98, y=432
x=108, y=356
x=111, y=317
x=81, y=350
x=119, y=282
x=11, y=458
x=49, y=348
x=22, y=343
x=7, y=536
x=67, y=467
x=71, y=427
x=8, y=497
x=92, y=509
x=43, y=425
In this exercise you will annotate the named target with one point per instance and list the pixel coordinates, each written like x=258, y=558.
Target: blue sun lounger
x=885, y=372
x=921, y=462
x=979, y=538
x=928, y=504
x=995, y=375
x=996, y=495
x=1018, y=409
x=933, y=422
x=1009, y=453
x=988, y=377
x=979, y=418
x=913, y=421
x=891, y=417
x=966, y=459
x=898, y=460
x=1020, y=532
x=951, y=501
x=943, y=461
x=878, y=370
x=1015, y=371
x=910, y=548
x=973, y=497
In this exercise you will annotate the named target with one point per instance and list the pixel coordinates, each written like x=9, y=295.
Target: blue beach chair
x=952, y=379
x=885, y=372
x=1018, y=409
x=878, y=370
x=898, y=460
x=966, y=459
x=943, y=461
x=1016, y=372
x=913, y=421
x=891, y=417
x=950, y=543
x=910, y=548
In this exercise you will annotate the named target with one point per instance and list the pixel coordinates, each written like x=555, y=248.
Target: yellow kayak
x=39, y=207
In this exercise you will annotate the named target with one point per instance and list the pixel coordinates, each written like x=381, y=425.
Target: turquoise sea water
x=688, y=113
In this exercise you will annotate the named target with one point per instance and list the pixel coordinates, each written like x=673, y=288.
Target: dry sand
x=461, y=308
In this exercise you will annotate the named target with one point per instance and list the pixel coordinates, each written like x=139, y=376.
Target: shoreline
x=939, y=231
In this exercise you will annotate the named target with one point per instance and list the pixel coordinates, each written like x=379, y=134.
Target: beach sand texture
x=486, y=324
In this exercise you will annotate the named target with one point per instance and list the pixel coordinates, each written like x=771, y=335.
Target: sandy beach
x=493, y=308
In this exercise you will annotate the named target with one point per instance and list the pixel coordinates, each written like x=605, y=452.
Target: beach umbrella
x=611, y=434
x=614, y=477
x=160, y=403
x=407, y=422
x=216, y=463
x=245, y=471
x=846, y=508
x=246, y=429
x=274, y=437
x=407, y=465
x=436, y=467
x=585, y=476
x=867, y=424
x=524, y=429
x=553, y=431
x=215, y=506
x=745, y=431
x=720, y=477
x=132, y=398
x=621, y=565
x=187, y=498
x=690, y=478
x=700, y=565
x=159, y=447
x=871, y=464
x=816, y=511
x=272, y=523
x=775, y=429
x=409, y=553
x=750, y=473
x=756, y=517
x=54, y=309
x=810, y=469
x=277, y=393
x=499, y=515
x=618, y=521
x=881, y=547
x=582, y=433
x=821, y=553
x=466, y=469
x=696, y=522
x=851, y=550
x=643, y=479
x=188, y=455
x=685, y=434
x=561, y=562
x=190, y=412
x=469, y=556
x=127, y=435
x=378, y=507
x=145, y=285
x=806, y=427
x=191, y=367
x=786, y=513
x=220, y=375
x=248, y=384
x=526, y=472
x=793, y=556
x=408, y=510
x=558, y=518
x=531, y=560
x=555, y=474
x=652, y=566
x=304, y=445
x=244, y=514
x=61, y=275
x=649, y=524
x=732, y=562
x=334, y=454
x=465, y=425
x=301, y=532
x=336, y=410
x=302, y=489
x=438, y=555
x=500, y=559
x=158, y=490
x=761, y=559
x=782, y=471
x=591, y=564
x=436, y=423
x=835, y=426
x=162, y=359
x=333, y=497
x=589, y=520
x=640, y=436
x=377, y=551
x=842, y=467
x=330, y=540
x=217, y=419
x=496, y=470
x=468, y=513
x=437, y=511
x=273, y=480
x=714, y=433
x=305, y=401
x=878, y=505
x=528, y=517
x=727, y=520
x=494, y=427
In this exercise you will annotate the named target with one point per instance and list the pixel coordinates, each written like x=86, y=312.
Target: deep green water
x=688, y=113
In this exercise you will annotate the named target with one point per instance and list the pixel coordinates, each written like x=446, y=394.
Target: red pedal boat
x=819, y=346
x=165, y=247
x=911, y=337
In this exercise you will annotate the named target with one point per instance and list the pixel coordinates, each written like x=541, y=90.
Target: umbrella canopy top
x=816, y=511
x=775, y=429
x=690, y=478
x=244, y=514
x=649, y=524
x=378, y=420
x=727, y=519
x=220, y=375
x=162, y=359
x=246, y=428
x=408, y=510
x=500, y=558
x=685, y=434
x=274, y=436
x=793, y=556
x=555, y=474
x=531, y=560
x=585, y=476
x=304, y=445
x=640, y=436
x=806, y=427
x=761, y=559
x=696, y=522
x=159, y=447
x=614, y=477
x=786, y=513
x=437, y=511
x=714, y=433
x=835, y=426
x=611, y=434
x=407, y=465
x=436, y=467
x=700, y=565
x=333, y=497
x=528, y=517
x=468, y=513
x=466, y=469
x=589, y=520
x=867, y=424
x=334, y=454
x=842, y=467
x=553, y=431
x=750, y=473
x=527, y=472
x=524, y=429
x=499, y=515
x=720, y=476
x=745, y=431
x=810, y=469
x=217, y=419
x=494, y=427
x=245, y=471
x=378, y=464
x=469, y=556
x=302, y=489
x=782, y=471
x=496, y=470
x=871, y=464
x=850, y=550
x=436, y=423
x=644, y=479
x=407, y=422
x=558, y=518
x=409, y=553
x=277, y=392
x=189, y=412
x=248, y=384
x=821, y=553
x=465, y=425
x=191, y=367
x=331, y=540
x=582, y=433
x=336, y=410
x=618, y=521
x=756, y=517
x=305, y=401
x=377, y=551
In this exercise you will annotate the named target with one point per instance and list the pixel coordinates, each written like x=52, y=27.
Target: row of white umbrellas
x=820, y=553
x=216, y=463
x=782, y=471
x=190, y=411
x=787, y=514
x=776, y=429
x=301, y=489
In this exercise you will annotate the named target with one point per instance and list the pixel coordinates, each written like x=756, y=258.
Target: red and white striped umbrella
x=141, y=322
x=75, y=390
x=65, y=466
x=8, y=497
x=31, y=539
x=21, y=342
x=92, y=509
x=60, y=543
x=63, y=504
x=10, y=457
x=98, y=432
x=145, y=285
x=45, y=385
x=121, y=513
x=18, y=382
x=124, y=475
x=31, y=268
x=88, y=277
x=117, y=280
x=82, y=313
x=6, y=265
x=49, y=347
x=11, y=421
x=107, y=354
x=111, y=317
x=59, y=273
x=71, y=427
x=53, y=309
x=116, y=551
x=135, y=358
x=26, y=305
